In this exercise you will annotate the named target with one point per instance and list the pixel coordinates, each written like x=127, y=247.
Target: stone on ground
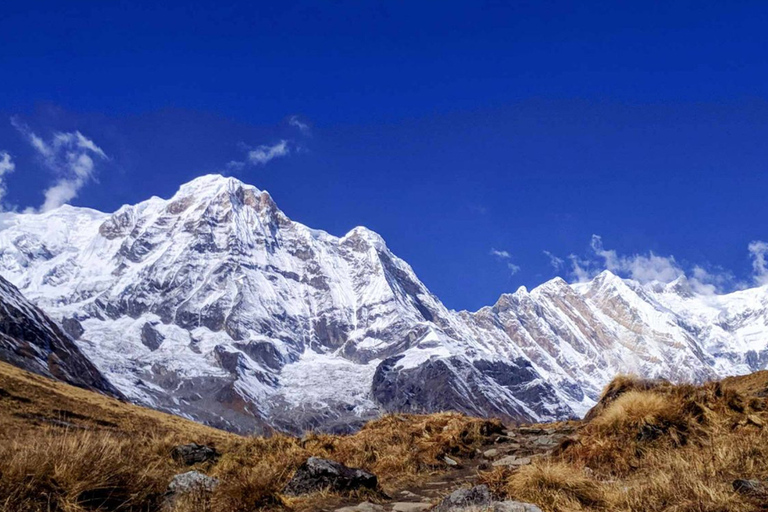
x=410, y=507
x=192, y=481
x=194, y=453
x=318, y=474
x=512, y=461
x=461, y=499
x=365, y=506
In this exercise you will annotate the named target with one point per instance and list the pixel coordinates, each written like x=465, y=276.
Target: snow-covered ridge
x=213, y=304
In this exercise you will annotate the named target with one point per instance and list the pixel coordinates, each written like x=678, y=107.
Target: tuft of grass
x=556, y=486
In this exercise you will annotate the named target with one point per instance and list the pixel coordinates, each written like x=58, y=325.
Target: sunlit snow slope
x=215, y=305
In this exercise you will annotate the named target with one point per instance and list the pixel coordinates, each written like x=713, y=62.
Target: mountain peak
x=213, y=183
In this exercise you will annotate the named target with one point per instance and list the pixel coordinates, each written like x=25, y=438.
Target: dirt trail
x=517, y=447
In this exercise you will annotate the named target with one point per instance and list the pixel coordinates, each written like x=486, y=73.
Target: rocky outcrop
x=32, y=341
x=318, y=474
x=194, y=453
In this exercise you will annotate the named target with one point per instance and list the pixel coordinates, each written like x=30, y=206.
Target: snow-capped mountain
x=213, y=304
x=34, y=342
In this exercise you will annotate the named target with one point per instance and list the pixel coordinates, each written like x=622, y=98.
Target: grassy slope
x=29, y=402
x=656, y=447
x=71, y=450
x=646, y=447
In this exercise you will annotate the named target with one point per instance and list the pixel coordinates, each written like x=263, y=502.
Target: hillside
x=68, y=449
x=652, y=446
x=31, y=403
x=647, y=446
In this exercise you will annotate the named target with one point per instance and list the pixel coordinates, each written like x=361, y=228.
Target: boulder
x=478, y=496
x=317, y=474
x=194, y=453
x=191, y=481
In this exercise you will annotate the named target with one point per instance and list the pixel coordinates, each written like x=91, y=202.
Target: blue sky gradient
x=473, y=136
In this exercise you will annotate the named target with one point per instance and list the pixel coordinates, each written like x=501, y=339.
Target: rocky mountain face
x=32, y=341
x=214, y=305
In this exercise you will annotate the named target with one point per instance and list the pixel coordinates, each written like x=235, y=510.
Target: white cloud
x=557, y=263
x=505, y=256
x=6, y=166
x=298, y=123
x=261, y=155
x=641, y=268
x=709, y=282
x=235, y=165
x=758, y=251
x=648, y=268
x=264, y=154
x=580, y=269
x=70, y=156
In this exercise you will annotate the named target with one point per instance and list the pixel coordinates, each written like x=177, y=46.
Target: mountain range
x=216, y=306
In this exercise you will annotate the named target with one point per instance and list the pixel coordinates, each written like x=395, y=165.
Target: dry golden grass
x=64, y=449
x=655, y=447
x=31, y=402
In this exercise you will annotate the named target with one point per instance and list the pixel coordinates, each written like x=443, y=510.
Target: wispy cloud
x=70, y=156
x=642, y=268
x=262, y=155
x=506, y=257
x=758, y=251
x=300, y=125
x=650, y=268
x=6, y=166
x=557, y=263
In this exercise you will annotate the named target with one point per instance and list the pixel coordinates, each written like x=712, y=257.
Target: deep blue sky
x=451, y=128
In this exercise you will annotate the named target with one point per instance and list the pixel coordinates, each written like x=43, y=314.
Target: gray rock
x=365, y=506
x=513, y=506
x=410, y=507
x=317, y=474
x=151, y=337
x=513, y=460
x=546, y=441
x=192, y=481
x=490, y=454
x=531, y=430
x=450, y=461
x=194, y=453
x=461, y=499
